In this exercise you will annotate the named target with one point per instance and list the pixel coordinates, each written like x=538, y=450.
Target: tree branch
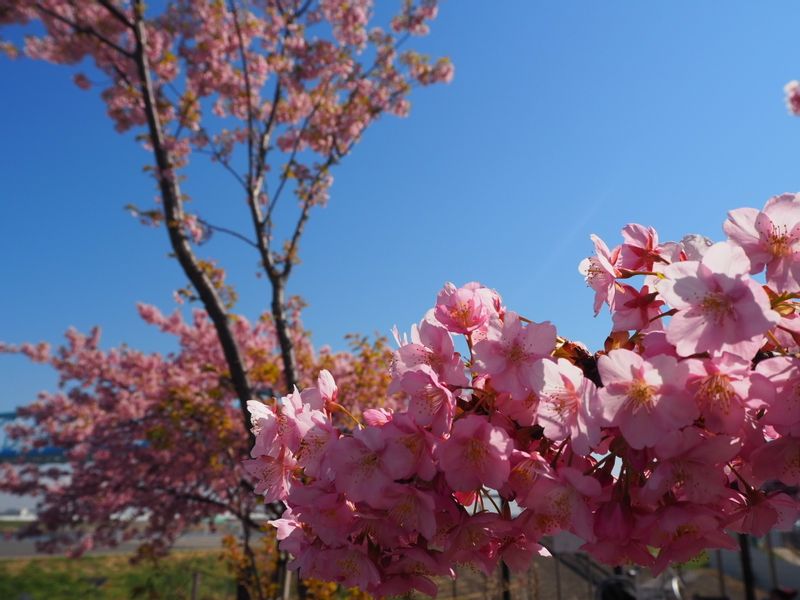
x=225, y=164
x=227, y=231
x=304, y=214
x=173, y=212
x=303, y=9
x=118, y=14
x=285, y=174
x=90, y=31
x=249, y=91
x=263, y=146
x=192, y=497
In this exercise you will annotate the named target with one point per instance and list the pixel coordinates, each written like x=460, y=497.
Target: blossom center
x=368, y=464
x=433, y=360
x=412, y=443
x=461, y=313
x=779, y=241
x=684, y=530
x=562, y=505
x=403, y=510
x=715, y=392
x=434, y=397
x=310, y=445
x=531, y=400
x=717, y=306
x=595, y=270
x=348, y=567
x=564, y=401
x=516, y=353
x=640, y=395
x=475, y=451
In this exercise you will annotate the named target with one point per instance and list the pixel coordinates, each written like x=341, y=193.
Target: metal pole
x=721, y=576
x=505, y=577
x=558, y=578
x=287, y=583
x=528, y=577
x=589, y=590
x=195, y=584
x=773, y=573
x=747, y=568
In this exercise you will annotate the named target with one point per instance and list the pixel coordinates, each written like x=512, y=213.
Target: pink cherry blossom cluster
x=792, y=91
x=157, y=435
x=317, y=72
x=684, y=428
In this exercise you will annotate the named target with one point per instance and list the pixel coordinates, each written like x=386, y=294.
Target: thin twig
x=227, y=231
x=218, y=155
x=248, y=92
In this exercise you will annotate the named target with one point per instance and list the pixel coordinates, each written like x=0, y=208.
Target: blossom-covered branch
x=683, y=428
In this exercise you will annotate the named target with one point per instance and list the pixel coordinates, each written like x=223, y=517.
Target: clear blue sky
x=565, y=118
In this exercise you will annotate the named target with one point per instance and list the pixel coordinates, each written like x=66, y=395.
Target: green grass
x=701, y=561
x=113, y=577
x=12, y=526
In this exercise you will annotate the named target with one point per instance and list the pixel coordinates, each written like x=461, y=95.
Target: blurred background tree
x=275, y=92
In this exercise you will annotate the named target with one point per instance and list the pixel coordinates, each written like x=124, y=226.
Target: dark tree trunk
x=282, y=327
x=173, y=213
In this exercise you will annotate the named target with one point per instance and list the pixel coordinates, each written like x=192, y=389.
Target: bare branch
x=298, y=232
x=193, y=497
x=248, y=91
x=285, y=174
x=226, y=165
x=304, y=213
x=263, y=146
x=227, y=231
x=254, y=169
x=271, y=119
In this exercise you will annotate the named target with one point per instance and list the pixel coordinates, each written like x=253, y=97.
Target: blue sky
x=564, y=119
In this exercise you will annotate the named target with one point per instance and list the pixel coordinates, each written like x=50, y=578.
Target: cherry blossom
x=720, y=308
x=650, y=450
x=510, y=350
x=721, y=388
x=601, y=272
x=115, y=418
x=636, y=309
x=646, y=399
x=461, y=310
x=475, y=454
x=641, y=250
x=568, y=404
x=792, y=90
x=770, y=237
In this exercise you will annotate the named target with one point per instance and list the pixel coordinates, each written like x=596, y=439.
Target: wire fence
x=566, y=576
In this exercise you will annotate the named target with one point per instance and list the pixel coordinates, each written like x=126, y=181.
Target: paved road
x=11, y=548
